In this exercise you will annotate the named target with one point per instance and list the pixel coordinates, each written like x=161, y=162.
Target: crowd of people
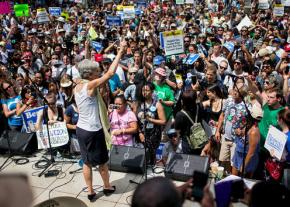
x=236, y=88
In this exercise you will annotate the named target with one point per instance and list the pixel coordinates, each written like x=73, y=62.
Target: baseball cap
x=157, y=60
x=160, y=71
x=99, y=57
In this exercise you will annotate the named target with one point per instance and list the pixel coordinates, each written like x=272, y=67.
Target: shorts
x=92, y=146
x=227, y=150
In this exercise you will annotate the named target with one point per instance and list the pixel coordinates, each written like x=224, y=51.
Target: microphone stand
x=248, y=115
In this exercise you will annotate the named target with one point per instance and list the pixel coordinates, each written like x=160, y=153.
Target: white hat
x=61, y=19
x=65, y=82
x=257, y=111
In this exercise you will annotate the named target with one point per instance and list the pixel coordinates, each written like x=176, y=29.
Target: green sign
x=21, y=10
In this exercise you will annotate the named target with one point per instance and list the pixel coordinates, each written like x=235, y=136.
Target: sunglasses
x=220, y=30
x=238, y=63
x=221, y=67
x=267, y=82
x=7, y=88
x=133, y=73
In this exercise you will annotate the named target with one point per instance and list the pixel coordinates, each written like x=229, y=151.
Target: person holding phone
x=123, y=122
x=89, y=127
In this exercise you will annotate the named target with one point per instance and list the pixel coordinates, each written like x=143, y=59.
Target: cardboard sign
x=275, y=142
x=21, y=10
x=54, y=11
x=5, y=8
x=173, y=42
x=179, y=1
x=97, y=46
x=129, y=12
x=42, y=16
x=263, y=4
x=58, y=135
x=30, y=117
x=278, y=10
x=113, y=21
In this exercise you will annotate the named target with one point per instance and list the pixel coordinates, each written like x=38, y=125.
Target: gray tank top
x=89, y=118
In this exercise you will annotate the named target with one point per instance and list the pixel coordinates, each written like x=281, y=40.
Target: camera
x=114, y=106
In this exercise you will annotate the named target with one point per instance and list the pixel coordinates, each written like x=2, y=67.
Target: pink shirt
x=122, y=121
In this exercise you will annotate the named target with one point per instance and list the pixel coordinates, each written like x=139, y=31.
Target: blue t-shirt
x=74, y=116
x=115, y=83
x=288, y=146
x=11, y=105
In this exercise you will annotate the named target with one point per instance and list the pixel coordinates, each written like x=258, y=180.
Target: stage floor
x=42, y=186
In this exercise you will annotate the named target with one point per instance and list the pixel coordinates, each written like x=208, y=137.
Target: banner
x=113, y=21
x=275, y=142
x=42, y=16
x=278, y=10
x=58, y=135
x=21, y=10
x=5, y=8
x=129, y=12
x=97, y=46
x=54, y=11
x=30, y=117
x=263, y=4
x=173, y=42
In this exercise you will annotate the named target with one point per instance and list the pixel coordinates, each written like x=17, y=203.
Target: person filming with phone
x=123, y=122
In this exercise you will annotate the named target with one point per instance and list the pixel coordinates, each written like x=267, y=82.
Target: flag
x=92, y=33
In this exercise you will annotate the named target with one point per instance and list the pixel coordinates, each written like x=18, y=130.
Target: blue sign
x=191, y=59
x=97, y=46
x=30, y=118
x=54, y=11
x=230, y=46
x=161, y=40
x=138, y=12
x=114, y=21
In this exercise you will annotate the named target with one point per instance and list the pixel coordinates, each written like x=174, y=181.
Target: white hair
x=86, y=68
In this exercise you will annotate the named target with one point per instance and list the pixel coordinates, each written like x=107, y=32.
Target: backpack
x=197, y=138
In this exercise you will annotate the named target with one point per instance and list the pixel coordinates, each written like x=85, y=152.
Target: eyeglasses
x=267, y=82
x=238, y=63
x=220, y=30
x=133, y=73
x=221, y=67
x=7, y=88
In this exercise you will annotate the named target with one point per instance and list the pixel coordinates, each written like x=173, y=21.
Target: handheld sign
x=191, y=59
x=129, y=12
x=263, y=4
x=179, y=1
x=5, y=8
x=97, y=46
x=21, y=10
x=173, y=42
x=58, y=135
x=275, y=142
x=30, y=117
x=42, y=16
x=278, y=10
x=54, y=11
x=113, y=21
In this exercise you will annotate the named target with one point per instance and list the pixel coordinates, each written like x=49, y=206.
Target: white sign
x=42, y=16
x=263, y=4
x=58, y=135
x=129, y=12
x=173, y=42
x=275, y=142
x=285, y=2
x=189, y=1
x=278, y=10
x=79, y=1
x=245, y=22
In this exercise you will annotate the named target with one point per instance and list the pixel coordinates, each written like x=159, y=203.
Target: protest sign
x=245, y=22
x=58, y=135
x=5, y=8
x=141, y=4
x=21, y=10
x=107, y=1
x=119, y=7
x=97, y=46
x=179, y=1
x=189, y=1
x=129, y=12
x=263, y=4
x=278, y=10
x=173, y=42
x=191, y=59
x=285, y=2
x=54, y=11
x=275, y=142
x=30, y=117
x=113, y=21
x=42, y=16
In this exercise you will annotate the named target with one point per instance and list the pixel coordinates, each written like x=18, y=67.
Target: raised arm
x=99, y=81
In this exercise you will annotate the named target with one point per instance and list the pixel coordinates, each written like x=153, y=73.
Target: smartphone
x=193, y=79
x=199, y=181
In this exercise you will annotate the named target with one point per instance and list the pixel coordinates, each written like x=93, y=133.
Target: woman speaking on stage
x=89, y=129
